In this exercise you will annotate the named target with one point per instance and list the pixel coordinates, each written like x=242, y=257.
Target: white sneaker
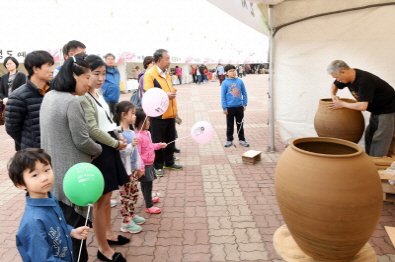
x=113, y=203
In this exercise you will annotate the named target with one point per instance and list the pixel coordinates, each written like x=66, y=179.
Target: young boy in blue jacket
x=234, y=103
x=43, y=234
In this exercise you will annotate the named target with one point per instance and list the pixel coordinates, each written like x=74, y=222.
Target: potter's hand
x=336, y=104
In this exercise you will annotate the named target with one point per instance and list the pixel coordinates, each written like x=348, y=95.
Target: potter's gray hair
x=336, y=66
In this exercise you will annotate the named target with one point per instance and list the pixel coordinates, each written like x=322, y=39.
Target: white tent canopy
x=193, y=31
x=308, y=35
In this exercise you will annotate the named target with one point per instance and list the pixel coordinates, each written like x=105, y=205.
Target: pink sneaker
x=153, y=210
x=155, y=199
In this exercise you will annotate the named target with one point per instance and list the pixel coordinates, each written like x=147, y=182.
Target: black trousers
x=238, y=114
x=379, y=134
x=163, y=130
x=76, y=220
x=240, y=75
x=194, y=78
x=146, y=189
x=180, y=79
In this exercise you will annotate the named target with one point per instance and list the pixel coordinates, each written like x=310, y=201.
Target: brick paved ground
x=215, y=209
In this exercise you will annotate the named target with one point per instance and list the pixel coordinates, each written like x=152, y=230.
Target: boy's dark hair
x=64, y=80
x=147, y=60
x=229, y=67
x=37, y=59
x=26, y=160
x=94, y=61
x=109, y=54
x=159, y=54
x=122, y=107
x=13, y=59
x=73, y=44
x=140, y=116
x=64, y=51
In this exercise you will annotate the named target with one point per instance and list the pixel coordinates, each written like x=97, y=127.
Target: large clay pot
x=330, y=196
x=342, y=123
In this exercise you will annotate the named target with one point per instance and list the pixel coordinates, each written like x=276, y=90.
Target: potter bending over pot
x=372, y=94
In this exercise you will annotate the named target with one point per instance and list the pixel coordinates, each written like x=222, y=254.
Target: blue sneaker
x=138, y=220
x=244, y=143
x=130, y=228
x=228, y=143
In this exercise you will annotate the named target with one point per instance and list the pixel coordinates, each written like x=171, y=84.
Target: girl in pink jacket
x=147, y=154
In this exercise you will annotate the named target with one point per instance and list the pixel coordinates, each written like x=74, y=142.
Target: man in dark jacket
x=23, y=106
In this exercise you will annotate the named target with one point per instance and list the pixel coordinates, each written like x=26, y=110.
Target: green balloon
x=83, y=184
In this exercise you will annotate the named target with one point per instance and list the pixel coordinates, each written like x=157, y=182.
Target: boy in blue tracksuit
x=234, y=103
x=43, y=234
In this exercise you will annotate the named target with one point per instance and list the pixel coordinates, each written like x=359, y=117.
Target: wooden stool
x=286, y=247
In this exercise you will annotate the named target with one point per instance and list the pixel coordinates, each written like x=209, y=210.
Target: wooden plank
x=384, y=175
x=289, y=251
x=391, y=234
x=382, y=161
x=387, y=188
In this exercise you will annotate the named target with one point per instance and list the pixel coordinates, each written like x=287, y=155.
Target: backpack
x=135, y=98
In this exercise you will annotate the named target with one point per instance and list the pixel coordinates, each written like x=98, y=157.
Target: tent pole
x=271, y=147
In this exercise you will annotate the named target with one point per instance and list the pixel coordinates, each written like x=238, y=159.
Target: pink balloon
x=202, y=132
x=155, y=102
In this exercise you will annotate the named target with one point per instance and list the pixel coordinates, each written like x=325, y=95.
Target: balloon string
x=141, y=127
x=178, y=139
x=242, y=121
x=86, y=222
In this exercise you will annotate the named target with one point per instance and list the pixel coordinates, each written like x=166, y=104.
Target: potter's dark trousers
x=238, y=114
x=379, y=134
x=194, y=78
x=163, y=131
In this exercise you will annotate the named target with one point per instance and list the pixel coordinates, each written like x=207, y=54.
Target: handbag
x=2, y=113
x=135, y=99
x=2, y=106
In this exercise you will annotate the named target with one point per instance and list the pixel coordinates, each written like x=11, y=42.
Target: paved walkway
x=215, y=209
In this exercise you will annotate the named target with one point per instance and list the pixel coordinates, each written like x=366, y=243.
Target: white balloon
x=155, y=102
x=202, y=132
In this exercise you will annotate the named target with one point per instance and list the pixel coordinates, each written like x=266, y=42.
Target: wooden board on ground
x=251, y=157
x=286, y=247
x=391, y=234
